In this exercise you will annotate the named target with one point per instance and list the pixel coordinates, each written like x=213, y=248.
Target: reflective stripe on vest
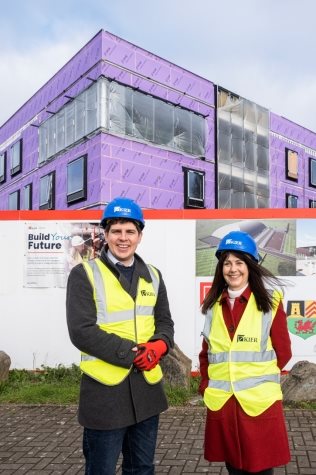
x=118, y=313
x=248, y=367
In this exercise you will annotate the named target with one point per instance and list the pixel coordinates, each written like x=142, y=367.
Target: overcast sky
x=263, y=50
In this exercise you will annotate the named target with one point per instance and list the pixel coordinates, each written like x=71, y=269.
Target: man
x=118, y=316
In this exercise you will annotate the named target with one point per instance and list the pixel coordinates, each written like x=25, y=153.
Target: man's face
x=123, y=239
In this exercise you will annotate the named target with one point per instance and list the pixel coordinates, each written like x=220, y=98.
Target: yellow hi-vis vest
x=118, y=313
x=245, y=366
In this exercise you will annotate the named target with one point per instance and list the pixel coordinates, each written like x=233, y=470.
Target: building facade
x=117, y=120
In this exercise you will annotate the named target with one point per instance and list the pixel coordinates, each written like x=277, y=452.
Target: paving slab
x=46, y=439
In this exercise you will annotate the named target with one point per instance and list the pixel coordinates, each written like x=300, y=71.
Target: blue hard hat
x=238, y=241
x=123, y=208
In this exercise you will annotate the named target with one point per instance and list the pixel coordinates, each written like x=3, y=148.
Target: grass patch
x=309, y=405
x=60, y=385
x=180, y=396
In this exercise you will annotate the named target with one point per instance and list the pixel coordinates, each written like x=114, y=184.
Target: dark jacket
x=134, y=400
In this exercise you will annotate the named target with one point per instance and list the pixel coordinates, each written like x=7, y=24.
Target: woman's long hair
x=259, y=277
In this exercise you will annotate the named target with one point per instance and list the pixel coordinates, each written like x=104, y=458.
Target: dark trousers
x=137, y=443
x=237, y=471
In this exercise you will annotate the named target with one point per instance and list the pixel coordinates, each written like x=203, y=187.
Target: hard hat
x=123, y=208
x=238, y=241
x=77, y=241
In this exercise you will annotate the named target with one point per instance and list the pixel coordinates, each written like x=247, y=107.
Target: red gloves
x=149, y=354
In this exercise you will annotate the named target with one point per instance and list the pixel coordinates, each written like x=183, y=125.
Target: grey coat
x=133, y=400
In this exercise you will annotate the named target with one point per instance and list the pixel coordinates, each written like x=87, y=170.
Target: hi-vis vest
x=245, y=366
x=118, y=313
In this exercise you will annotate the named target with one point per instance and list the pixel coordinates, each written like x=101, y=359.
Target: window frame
x=310, y=202
x=79, y=195
x=17, y=168
x=18, y=200
x=310, y=167
x=189, y=200
x=3, y=177
x=288, y=174
x=50, y=203
x=287, y=198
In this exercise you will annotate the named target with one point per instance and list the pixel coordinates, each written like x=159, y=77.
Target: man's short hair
x=110, y=223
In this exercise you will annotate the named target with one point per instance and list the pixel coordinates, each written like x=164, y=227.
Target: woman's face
x=235, y=272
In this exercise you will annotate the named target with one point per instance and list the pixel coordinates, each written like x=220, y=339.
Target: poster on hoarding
x=288, y=250
x=52, y=249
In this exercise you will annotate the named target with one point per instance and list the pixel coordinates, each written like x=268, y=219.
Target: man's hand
x=148, y=354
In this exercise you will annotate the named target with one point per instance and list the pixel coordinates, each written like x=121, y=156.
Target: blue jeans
x=137, y=443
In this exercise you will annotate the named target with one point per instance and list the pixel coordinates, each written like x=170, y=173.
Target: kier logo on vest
x=302, y=317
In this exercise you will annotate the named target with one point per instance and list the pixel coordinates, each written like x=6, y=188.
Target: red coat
x=245, y=442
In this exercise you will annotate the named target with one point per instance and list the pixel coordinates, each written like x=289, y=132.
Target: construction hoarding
x=37, y=256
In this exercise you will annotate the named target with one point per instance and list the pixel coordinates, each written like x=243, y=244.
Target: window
x=77, y=180
x=291, y=201
x=120, y=109
x=47, y=191
x=143, y=116
x=27, y=196
x=16, y=158
x=242, y=152
x=3, y=167
x=183, y=130
x=312, y=203
x=193, y=188
x=124, y=111
x=14, y=200
x=312, y=172
x=163, y=123
x=291, y=164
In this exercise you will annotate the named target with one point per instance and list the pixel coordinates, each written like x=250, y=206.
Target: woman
x=246, y=344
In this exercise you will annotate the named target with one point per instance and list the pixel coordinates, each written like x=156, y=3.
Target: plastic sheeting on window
x=69, y=124
x=80, y=112
x=91, y=109
x=2, y=165
x=124, y=111
x=46, y=190
x=16, y=155
x=183, y=130
x=243, y=141
x=27, y=197
x=143, y=116
x=60, y=130
x=75, y=175
x=120, y=109
x=198, y=135
x=163, y=120
x=14, y=200
x=43, y=143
